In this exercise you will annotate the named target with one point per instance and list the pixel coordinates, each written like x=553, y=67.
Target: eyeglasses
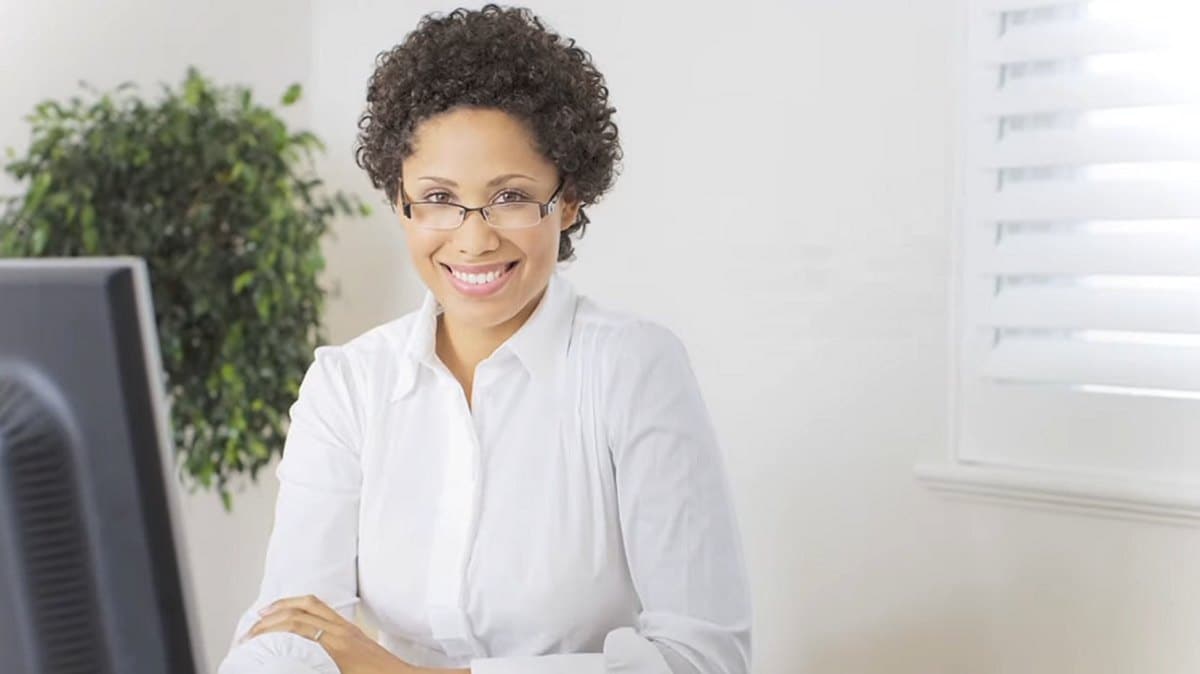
x=444, y=215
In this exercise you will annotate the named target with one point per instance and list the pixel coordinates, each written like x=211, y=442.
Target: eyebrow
x=491, y=183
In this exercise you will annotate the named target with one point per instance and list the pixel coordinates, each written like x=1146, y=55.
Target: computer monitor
x=92, y=568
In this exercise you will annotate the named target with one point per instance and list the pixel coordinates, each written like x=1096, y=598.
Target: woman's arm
x=314, y=542
x=678, y=524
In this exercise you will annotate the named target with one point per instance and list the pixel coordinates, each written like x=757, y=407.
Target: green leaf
x=40, y=236
x=41, y=185
x=292, y=94
x=91, y=239
x=88, y=216
x=205, y=474
x=243, y=279
x=307, y=140
x=263, y=305
x=8, y=242
x=193, y=90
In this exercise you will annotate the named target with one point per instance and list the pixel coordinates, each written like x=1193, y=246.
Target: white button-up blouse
x=576, y=519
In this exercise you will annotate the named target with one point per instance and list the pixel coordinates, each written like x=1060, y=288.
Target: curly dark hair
x=500, y=58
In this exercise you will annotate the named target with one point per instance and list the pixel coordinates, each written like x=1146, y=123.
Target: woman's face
x=466, y=156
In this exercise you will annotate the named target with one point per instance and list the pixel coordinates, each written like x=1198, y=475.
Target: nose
x=476, y=237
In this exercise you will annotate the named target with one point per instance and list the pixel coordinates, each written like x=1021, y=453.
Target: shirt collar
x=540, y=344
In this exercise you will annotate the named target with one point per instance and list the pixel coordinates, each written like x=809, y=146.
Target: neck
x=462, y=347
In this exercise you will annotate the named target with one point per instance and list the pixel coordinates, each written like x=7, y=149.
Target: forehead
x=466, y=141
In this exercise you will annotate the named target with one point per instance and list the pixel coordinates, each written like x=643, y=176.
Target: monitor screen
x=92, y=563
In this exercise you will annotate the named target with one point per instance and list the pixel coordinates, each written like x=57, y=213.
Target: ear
x=570, y=205
x=570, y=213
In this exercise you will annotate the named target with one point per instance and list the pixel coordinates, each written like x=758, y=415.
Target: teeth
x=477, y=279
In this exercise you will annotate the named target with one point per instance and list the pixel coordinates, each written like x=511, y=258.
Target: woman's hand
x=352, y=650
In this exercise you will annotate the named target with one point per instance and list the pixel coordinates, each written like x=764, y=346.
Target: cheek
x=542, y=243
x=540, y=252
x=422, y=244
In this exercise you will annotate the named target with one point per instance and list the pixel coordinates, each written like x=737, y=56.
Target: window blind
x=1079, y=314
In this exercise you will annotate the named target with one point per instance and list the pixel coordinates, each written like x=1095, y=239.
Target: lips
x=479, y=290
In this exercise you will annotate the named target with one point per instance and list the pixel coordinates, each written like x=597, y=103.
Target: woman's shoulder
x=368, y=359
x=383, y=340
x=619, y=335
x=637, y=362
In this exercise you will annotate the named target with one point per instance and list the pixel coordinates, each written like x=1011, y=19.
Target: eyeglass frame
x=544, y=208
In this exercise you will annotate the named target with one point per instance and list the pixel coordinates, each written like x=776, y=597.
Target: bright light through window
x=1165, y=17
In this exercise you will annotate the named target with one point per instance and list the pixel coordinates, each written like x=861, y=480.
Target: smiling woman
x=511, y=479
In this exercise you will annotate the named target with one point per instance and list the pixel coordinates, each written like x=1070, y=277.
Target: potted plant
x=220, y=198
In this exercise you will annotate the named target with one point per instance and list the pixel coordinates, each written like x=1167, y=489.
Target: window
x=1077, y=322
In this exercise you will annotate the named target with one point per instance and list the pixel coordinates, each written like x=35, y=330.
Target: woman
x=511, y=479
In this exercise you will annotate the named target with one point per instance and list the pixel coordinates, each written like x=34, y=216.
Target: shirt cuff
x=565, y=663
x=278, y=653
x=625, y=652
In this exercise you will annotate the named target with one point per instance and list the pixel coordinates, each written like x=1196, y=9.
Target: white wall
x=46, y=48
x=784, y=207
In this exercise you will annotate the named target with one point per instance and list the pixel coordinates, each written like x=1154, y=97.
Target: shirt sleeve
x=678, y=524
x=314, y=542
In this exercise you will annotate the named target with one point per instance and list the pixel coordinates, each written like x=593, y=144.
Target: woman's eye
x=433, y=196
x=516, y=196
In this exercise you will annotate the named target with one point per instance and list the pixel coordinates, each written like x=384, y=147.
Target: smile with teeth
x=481, y=279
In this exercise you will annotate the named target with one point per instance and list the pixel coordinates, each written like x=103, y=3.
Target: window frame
x=941, y=469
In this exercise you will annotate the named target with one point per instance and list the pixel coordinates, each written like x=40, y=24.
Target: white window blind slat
x=1072, y=359
x=1074, y=147
x=1095, y=92
x=1088, y=201
x=1061, y=303
x=1077, y=254
x=1064, y=40
x=996, y=6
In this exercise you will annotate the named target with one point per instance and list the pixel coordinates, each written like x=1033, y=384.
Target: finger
x=309, y=603
x=319, y=608
x=300, y=624
x=291, y=620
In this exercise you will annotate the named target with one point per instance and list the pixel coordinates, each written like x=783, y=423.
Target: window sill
x=1142, y=499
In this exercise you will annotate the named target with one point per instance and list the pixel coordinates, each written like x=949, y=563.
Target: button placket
x=454, y=531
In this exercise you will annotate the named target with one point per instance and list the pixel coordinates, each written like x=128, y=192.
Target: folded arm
x=314, y=542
